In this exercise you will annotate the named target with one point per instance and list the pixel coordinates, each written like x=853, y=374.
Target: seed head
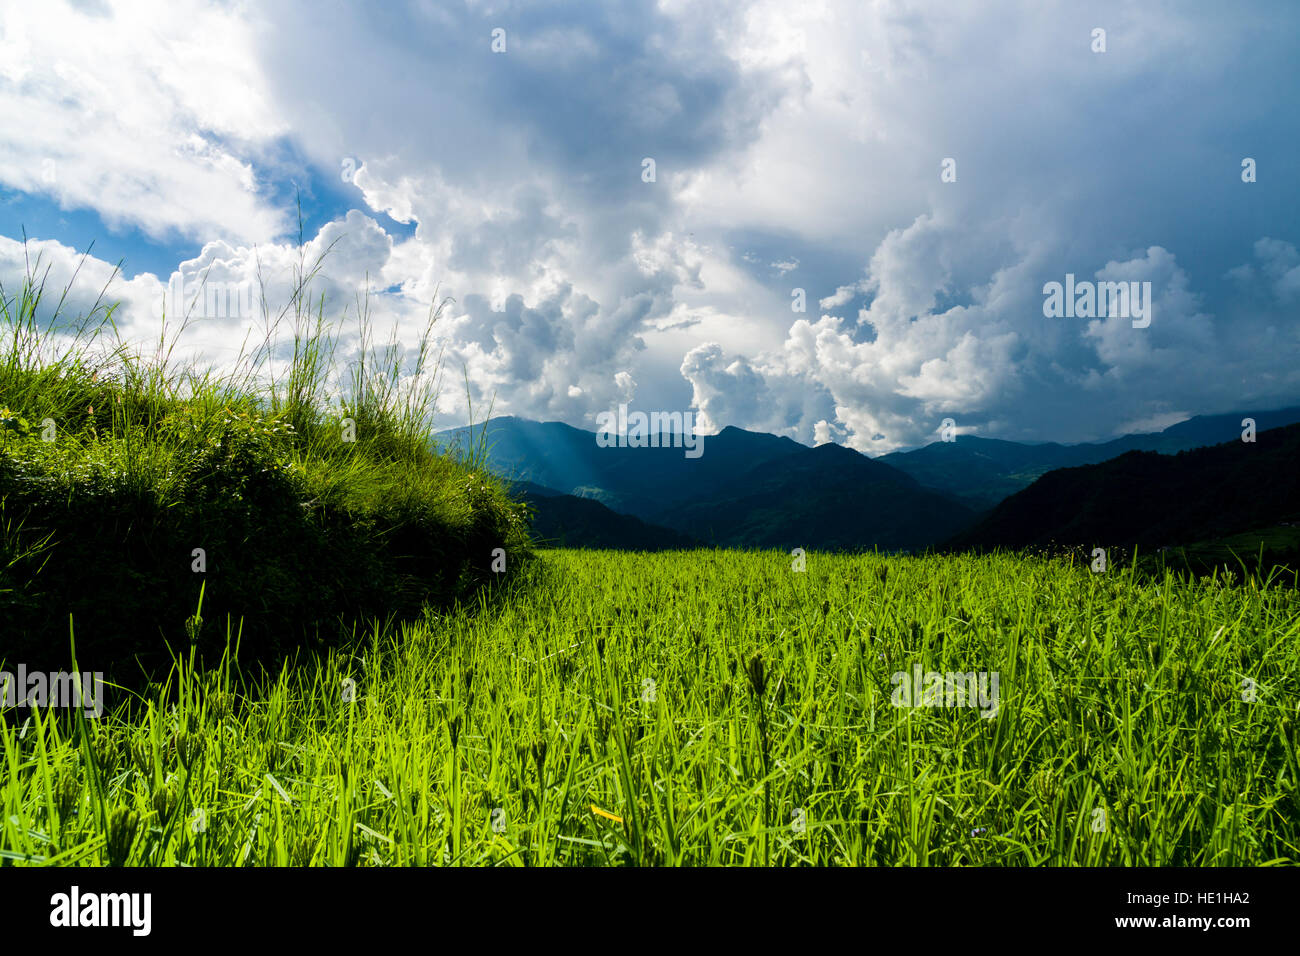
x=757, y=679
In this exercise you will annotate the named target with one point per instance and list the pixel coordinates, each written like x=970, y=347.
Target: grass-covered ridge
x=714, y=707
x=157, y=501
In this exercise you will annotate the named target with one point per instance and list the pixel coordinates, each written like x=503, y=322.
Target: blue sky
x=796, y=146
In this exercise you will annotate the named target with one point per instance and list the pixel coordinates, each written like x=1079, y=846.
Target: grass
x=710, y=707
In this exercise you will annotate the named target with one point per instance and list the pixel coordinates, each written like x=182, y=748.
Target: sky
x=630, y=202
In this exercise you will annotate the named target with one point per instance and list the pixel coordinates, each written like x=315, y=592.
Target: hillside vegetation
x=1149, y=501
x=567, y=521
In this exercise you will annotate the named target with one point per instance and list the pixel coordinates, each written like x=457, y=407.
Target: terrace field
x=710, y=707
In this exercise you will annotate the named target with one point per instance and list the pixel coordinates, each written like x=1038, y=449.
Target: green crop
x=710, y=707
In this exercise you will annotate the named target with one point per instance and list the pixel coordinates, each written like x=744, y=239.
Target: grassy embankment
x=151, y=505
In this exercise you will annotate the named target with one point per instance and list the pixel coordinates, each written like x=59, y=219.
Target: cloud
x=1277, y=274
x=996, y=364
x=161, y=139
x=842, y=296
x=792, y=144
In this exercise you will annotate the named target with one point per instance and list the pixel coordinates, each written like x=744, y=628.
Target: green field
x=1138, y=722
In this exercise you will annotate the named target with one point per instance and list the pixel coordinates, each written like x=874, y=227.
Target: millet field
x=710, y=708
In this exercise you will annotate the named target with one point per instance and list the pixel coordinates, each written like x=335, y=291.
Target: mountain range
x=981, y=472
x=747, y=489
x=750, y=489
